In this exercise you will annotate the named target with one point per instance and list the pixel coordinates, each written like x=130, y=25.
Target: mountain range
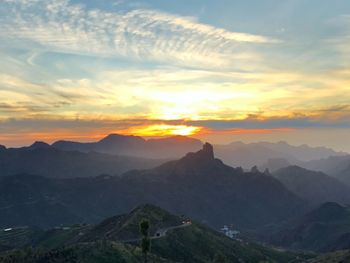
x=171, y=147
x=116, y=154
x=197, y=185
x=235, y=154
x=251, y=154
x=43, y=159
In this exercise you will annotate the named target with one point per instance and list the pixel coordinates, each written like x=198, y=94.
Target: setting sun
x=164, y=130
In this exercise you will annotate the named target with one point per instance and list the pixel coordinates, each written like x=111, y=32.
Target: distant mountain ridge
x=259, y=154
x=170, y=147
x=262, y=154
x=43, y=159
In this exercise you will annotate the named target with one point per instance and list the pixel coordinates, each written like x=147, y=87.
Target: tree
x=146, y=241
x=220, y=258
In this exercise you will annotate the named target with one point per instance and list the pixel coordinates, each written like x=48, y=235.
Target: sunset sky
x=220, y=70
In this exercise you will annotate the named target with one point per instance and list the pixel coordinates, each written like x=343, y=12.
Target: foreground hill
x=197, y=185
x=117, y=239
x=171, y=147
x=42, y=159
x=315, y=187
x=326, y=228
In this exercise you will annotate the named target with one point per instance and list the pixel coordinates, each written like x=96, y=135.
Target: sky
x=243, y=70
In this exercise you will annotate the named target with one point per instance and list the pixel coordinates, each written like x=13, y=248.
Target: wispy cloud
x=340, y=39
x=140, y=33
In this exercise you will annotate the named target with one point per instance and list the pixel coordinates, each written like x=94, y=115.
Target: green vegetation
x=96, y=252
x=341, y=256
x=197, y=243
x=18, y=237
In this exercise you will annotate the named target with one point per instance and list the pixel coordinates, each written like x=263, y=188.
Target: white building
x=230, y=232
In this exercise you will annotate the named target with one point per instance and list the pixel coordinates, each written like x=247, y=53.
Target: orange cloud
x=246, y=131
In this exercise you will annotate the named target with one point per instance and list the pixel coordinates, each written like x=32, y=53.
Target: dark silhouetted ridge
x=117, y=138
x=39, y=145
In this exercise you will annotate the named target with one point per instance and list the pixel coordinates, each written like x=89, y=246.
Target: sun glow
x=164, y=130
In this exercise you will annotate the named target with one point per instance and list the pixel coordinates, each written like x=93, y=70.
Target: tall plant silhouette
x=146, y=241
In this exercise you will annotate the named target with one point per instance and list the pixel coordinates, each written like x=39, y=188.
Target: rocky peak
x=207, y=151
x=254, y=169
x=205, y=154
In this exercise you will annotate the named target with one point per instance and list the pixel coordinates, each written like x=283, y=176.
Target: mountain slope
x=315, y=187
x=341, y=256
x=344, y=174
